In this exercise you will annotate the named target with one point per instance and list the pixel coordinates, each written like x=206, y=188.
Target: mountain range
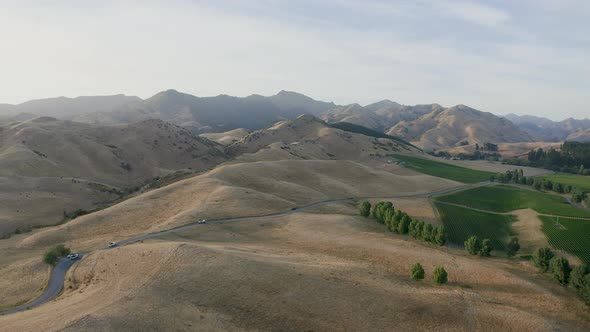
x=430, y=126
x=543, y=129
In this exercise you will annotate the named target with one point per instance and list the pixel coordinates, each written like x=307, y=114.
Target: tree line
x=400, y=222
x=516, y=176
x=572, y=157
x=561, y=271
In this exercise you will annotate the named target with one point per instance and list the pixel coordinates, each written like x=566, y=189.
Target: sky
x=515, y=56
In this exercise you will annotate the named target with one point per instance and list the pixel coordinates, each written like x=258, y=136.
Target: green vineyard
x=571, y=235
x=443, y=170
x=461, y=223
x=508, y=198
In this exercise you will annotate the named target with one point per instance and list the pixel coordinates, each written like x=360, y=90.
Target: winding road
x=56, y=280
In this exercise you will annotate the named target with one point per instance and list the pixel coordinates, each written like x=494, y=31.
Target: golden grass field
x=302, y=272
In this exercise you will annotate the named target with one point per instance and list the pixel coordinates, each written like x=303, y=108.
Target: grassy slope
x=443, y=170
x=462, y=223
x=508, y=198
x=573, y=237
x=582, y=182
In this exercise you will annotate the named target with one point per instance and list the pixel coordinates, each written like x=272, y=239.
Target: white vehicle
x=70, y=256
x=112, y=244
x=202, y=221
x=73, y=256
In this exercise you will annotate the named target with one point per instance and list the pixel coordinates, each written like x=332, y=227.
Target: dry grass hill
x=59, y=166
x=582, y=135
x=379, y=116
x=308, y=137
x=228, y=137
x=449, y=127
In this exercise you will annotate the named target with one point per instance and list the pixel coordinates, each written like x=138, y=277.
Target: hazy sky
x=525, y=57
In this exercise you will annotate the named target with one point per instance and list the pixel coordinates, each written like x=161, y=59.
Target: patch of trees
x=400, y=222
x=474, y=246
x=486, y=147
x=572, y=157
x=560, y=270
x=516, y=176
x=439, y=275
x=52, y=255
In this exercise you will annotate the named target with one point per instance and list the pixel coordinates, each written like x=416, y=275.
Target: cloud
x=473, y=12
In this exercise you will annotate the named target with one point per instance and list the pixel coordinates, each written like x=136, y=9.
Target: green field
x=443, y=170
x=461, y=223
x=573, y=236
x=507, y=198
x=579, y=181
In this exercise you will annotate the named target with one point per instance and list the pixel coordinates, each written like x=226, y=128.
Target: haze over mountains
x=543, y=129
x=430, y=126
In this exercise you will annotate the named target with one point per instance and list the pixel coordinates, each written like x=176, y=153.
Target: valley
x=283, y=246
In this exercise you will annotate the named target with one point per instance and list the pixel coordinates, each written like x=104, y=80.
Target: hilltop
x=453, y=126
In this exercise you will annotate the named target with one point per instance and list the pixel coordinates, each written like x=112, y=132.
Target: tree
x=439, y=275
x=577, y=276
x=486, y=248
x=402, y=228
x=417, y=272
x=513, y=246
x=440, y=237
x=472, y=245
x=427, y=231
x=541, y=258
x=365, y=208
x=389, y=213
x=412, y=228
x=419, y=229
x=52, y=255
x=560, y=269
x=578, y=195
x=558, y=187
x=538, y=184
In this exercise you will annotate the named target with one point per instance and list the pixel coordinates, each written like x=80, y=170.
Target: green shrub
x=486, y=248
x=439, y=275
x=417, y=272
x=541, y=258
x=365, y=209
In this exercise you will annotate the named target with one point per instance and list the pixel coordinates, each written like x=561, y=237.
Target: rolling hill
x=308, y=137
x=63, y=165
x=443, y=128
